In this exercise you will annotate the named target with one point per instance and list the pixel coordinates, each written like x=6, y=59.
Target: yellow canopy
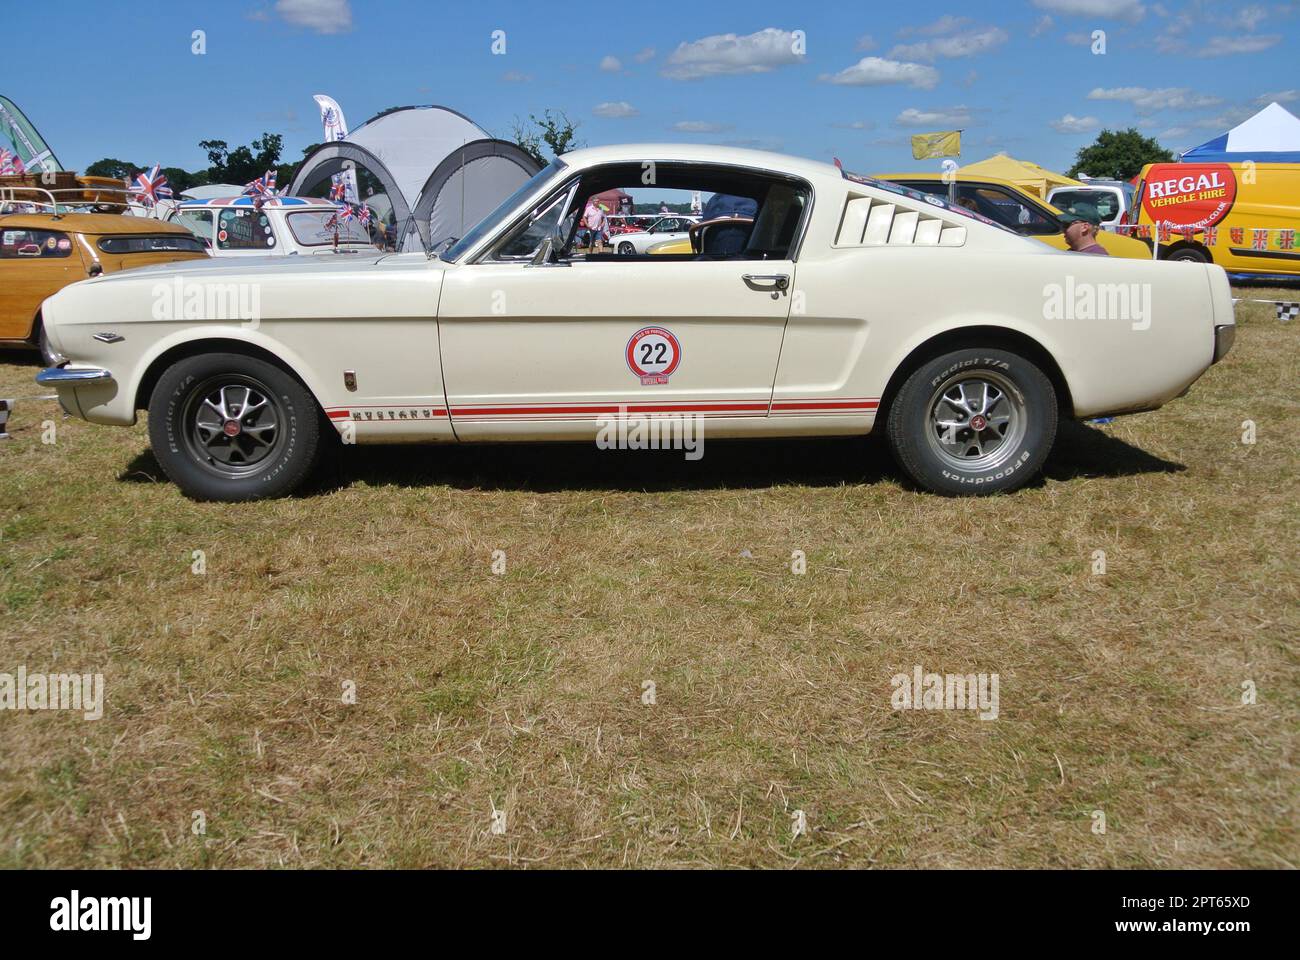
x=1026, y=175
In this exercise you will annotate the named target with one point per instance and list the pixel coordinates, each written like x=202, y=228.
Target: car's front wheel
x=229, y=427
x=973, y=421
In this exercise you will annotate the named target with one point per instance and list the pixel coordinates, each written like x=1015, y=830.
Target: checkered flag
x=1287, y=311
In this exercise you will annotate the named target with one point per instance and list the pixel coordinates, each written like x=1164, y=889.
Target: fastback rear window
x=147, y=244
x=929, y=198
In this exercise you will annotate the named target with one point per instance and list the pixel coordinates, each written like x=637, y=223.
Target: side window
x=244, y=229
x=523, y=241
x=1007, y=209
x=197, y=222
x=16, y=244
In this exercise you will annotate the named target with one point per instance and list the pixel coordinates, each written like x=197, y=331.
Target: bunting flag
x=1259, y=239
x=1237, y=234
x=1286, y=239
x=1287, y=311
x=1211, y=236
x=1165, y=231
x=151, y=187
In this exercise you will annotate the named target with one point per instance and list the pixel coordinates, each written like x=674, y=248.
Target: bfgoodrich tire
x=973, y=421
x=229, y=427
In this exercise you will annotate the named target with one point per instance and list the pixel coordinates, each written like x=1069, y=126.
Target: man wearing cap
x=1081, y=222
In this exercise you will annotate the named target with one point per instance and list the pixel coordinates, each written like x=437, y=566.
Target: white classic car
x=669, y=227
x=846, y=305
x=276, y=227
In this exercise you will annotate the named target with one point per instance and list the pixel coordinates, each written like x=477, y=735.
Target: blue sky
x=818, y=80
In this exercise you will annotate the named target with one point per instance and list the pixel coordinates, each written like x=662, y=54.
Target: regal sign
x=1189, y=194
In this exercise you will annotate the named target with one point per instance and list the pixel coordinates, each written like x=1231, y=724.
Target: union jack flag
x=1164, y=231
x=1211, y=236
x=151, y=187
x=1259, y=240
x=363, y=215
x=337, y=191
x=261, y=189
x=1286, y=239
x=10, y=163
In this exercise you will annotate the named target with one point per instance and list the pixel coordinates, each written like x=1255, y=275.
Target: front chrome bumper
x=1224, y=335
x=64, y=376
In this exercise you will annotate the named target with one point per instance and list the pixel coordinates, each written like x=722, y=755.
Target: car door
x=33, y=265
x=548, y=349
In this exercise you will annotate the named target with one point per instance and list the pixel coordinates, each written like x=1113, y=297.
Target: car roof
x=92, y=223
x=247, y=201
x=700, y=153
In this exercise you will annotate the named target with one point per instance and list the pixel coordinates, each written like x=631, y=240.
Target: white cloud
x=611, y=64
x=647, y=54
x=699, y=126
x=952, y=117
x=514, y=76
x=323, y=16
x=1248, y=18
x=1280, y=96
x=865, y=42
x=1131, y=10
x=1164, y=98
x=1072, y=124
x=945, y=24
x=727, y=53
x=1227, y=46
x=1078, y=39
x=1173, y=132
x=854, y=125
x=959, y=45
x=877, y=71
x=615, y=110
x=1041, y=26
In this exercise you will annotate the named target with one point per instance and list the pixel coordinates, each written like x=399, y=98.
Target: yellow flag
x=930, y=146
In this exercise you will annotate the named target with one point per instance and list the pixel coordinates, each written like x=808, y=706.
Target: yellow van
x=1243, y=216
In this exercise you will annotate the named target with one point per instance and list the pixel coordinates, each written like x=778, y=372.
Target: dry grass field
x=522, y=692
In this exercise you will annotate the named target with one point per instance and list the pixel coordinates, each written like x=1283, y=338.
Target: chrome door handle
x=778, y=280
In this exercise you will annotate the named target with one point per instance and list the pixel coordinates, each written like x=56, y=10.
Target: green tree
x=553, y=130
x=111, y=167
x=242, y=164
x=1118, y=155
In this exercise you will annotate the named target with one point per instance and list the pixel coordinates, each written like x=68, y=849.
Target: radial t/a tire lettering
x=973, y=421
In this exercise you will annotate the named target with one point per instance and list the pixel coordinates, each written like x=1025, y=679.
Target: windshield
x=507, y=207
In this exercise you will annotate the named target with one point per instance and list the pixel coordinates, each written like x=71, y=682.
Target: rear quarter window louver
x=878, y=223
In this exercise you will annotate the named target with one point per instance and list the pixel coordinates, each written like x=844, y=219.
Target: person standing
x=595, y=218
x=1081, y=224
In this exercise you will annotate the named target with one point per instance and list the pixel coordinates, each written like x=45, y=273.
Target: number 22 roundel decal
x=653, y=354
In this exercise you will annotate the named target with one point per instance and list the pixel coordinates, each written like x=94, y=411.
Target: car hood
x=229, y=267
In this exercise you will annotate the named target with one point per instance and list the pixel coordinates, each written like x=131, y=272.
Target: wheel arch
x=984, y=335
x=214, y=344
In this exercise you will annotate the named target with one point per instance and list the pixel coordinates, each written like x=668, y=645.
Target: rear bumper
x=1224, y=335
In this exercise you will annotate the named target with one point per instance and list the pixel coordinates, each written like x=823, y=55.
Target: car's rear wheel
x=626, y=248
x=1188, y=254
x=229, y=427
x=973, y=421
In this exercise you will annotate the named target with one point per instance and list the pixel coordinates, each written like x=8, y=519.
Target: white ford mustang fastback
x=845, y=304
